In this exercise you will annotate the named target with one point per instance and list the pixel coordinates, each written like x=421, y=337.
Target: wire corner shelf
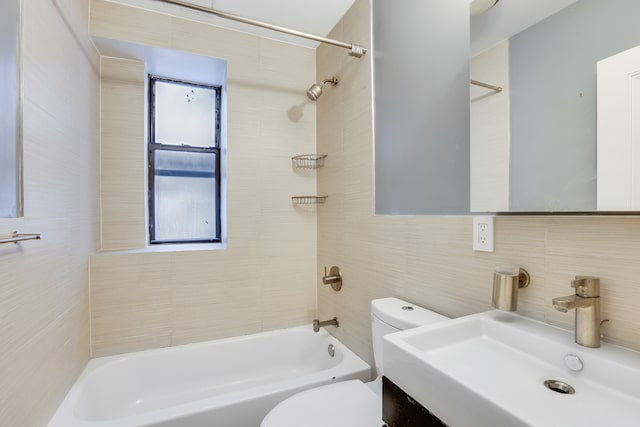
x=308, y=200
x=308, y=161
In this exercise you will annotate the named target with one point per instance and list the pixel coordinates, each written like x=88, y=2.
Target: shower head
x=315, y=90
x=481, y=6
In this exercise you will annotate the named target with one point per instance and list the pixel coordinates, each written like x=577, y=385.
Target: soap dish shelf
x=308, y=161
x=308, y=200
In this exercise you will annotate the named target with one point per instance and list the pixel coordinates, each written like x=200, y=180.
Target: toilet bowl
x=352, y=403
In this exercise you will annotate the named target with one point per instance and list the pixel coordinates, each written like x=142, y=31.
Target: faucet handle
x=334, y=278
x=586, y=286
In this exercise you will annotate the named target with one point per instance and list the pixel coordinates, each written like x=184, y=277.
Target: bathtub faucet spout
x=318, y=324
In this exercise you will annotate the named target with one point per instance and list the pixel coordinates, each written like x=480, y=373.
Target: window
x=184, y=162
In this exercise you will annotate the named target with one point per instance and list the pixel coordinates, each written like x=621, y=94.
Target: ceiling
x=509, y=17
x=316, y=17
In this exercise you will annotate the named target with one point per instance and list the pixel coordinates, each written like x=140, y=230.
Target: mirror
x=10, y=110
x=618, y=124
x=534, y=145
x=421, y=106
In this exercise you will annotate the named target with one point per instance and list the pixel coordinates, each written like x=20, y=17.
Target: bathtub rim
x=351, y=367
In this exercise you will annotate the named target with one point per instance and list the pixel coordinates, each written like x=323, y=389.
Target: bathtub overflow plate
x=331, y=350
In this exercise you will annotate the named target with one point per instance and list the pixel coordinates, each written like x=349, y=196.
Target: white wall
x=44, y=295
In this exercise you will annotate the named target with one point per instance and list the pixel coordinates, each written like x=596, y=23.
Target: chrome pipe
x=19, y=237
x=317, y=324
x=355, y=50
x=486, y=85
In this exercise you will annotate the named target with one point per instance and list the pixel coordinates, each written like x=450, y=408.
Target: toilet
x=352, y=403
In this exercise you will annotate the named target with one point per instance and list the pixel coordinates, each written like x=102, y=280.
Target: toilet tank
x=392, y=315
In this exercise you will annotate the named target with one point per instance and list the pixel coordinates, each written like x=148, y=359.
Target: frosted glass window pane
x=184, y=163
x=185, y=196
x=185, y=115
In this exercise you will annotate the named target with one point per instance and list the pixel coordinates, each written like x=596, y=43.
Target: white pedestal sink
x=489, y=370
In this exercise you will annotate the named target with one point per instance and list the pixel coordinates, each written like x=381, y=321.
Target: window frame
x=153, y=146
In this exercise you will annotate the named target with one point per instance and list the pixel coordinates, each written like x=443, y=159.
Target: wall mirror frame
x=11, y=98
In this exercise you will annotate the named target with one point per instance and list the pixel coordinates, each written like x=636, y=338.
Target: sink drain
x=559, y=387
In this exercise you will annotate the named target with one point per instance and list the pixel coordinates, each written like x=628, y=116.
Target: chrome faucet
x=318, y=324
x=586, y=302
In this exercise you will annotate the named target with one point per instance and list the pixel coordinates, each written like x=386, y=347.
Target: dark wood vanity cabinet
x=400, y=410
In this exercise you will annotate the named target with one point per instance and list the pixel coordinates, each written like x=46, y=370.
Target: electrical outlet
x=483, y=233
x=483, y=230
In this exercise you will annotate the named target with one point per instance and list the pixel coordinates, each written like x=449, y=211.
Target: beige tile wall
x=44, y=294
x=429, y=259
x=122, y=99
x=266, y=277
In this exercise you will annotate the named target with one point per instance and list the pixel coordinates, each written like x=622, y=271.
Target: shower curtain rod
x=354, y=49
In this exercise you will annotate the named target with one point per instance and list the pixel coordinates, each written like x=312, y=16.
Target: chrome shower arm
x=332, y=80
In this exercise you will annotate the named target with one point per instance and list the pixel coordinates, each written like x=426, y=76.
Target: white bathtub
x=231, y=382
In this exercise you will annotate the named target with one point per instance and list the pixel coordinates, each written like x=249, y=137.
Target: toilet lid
x=343, y=404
